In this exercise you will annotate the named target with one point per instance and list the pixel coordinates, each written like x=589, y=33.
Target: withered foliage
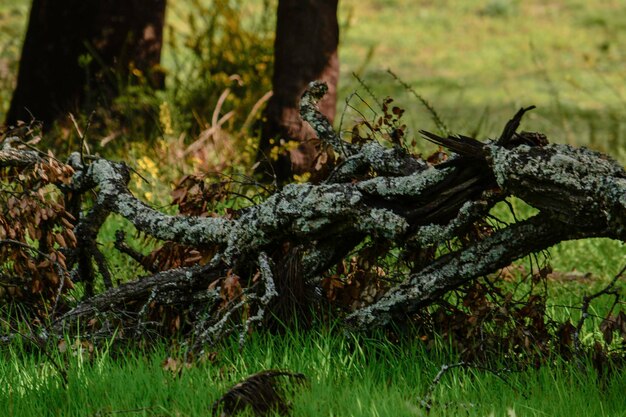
x=353, y=286
x=387, y=127
x=36, y=230
x=614, y=323
x=484, y=320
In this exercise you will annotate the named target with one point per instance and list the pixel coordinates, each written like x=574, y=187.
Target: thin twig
x=83, y=135
x=369, y=92
x=426, y=400
x=584, y=314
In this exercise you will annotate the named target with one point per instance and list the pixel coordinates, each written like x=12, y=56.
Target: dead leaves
x=35, y=230
x=614, y=323
x=355, y=284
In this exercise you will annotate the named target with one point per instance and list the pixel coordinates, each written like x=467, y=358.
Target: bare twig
x=426, y=401
x=584, y=313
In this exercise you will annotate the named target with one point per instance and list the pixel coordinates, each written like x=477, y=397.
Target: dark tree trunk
x=118, y=34
x=307, y=35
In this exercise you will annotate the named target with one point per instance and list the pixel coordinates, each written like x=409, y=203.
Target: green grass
x=348, y=377
x=601, y=257
x=484, y=59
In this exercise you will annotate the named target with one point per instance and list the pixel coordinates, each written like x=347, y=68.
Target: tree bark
x=119, y=34
x=305, y=49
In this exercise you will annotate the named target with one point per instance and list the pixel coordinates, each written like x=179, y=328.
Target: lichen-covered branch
x=452, y=270
x=581, y=187
x=212, y=329
x=581, y=193
x=111, y=179
x=378, y=195
x=181, y=286
x=311, y=114
x=296, y=211
x=10, y=157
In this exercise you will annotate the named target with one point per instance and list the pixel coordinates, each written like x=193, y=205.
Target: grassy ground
x=477, y=62
x=348, y=377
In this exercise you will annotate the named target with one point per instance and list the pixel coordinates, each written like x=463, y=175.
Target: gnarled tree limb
x=579, y=193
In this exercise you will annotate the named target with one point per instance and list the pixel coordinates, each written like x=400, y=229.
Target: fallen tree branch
x=180, y=287
x=378, y=194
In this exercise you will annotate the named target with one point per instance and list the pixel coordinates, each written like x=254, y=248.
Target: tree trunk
x=307, y=35
x=118, y=34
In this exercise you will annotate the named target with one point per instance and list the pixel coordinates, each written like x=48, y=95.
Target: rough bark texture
x=579, y=193
x=452, y=270
x=117, y=34
x=307, y=36
x=174, y=287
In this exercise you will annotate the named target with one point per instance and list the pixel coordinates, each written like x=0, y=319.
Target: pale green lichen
x=384, y=223
x=108, y=176
x=433, y=234
x=309, y=112
x=298, y=208
x=409, y=186
x=559, y=164
x=306, y=226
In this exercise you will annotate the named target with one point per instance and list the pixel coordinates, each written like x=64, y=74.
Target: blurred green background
x=476, y=61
